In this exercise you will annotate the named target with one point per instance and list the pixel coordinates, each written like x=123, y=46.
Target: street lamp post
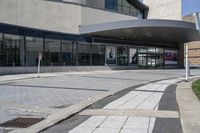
x=197, y=17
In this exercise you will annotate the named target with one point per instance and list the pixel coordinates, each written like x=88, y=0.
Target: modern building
x=193, y=47
x=92, y=34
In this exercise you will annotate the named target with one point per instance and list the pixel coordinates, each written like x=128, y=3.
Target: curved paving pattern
x=147, y=100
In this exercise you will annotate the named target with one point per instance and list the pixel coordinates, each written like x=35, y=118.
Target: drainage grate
x=21, y=122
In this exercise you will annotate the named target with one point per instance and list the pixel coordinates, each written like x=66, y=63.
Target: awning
x=152, y=31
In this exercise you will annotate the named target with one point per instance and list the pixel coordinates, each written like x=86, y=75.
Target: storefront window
x=133, y=59
x=159, y=61
x=151, y=50
x=12, y=46
x=142, y=50
x=98, y=54
x=110, y=55
x=52, y=53
x=122, y=56
x=171, y=57
x=34, y=46
x=159, y=50
x=142, y=60
x=84, y=50
x=67, y=53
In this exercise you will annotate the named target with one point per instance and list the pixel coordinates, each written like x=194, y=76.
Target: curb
x=189, y=106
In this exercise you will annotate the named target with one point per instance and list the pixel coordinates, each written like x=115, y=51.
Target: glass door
x=142, y=61
x=151, y=62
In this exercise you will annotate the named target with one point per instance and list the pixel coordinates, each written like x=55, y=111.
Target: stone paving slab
x=135, y=112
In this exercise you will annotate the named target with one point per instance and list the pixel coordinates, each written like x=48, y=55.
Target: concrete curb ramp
x=189, y=108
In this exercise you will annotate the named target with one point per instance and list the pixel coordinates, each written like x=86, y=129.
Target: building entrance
x=150, y=61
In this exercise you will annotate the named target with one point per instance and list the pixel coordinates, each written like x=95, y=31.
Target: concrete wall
x=95, y=16
x=164, y=9
x=41, y=14
x=55, y=16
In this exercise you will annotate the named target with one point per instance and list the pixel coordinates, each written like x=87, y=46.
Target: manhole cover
x=21, y=122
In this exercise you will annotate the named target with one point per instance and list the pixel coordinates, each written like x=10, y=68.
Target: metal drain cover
x=21, y=122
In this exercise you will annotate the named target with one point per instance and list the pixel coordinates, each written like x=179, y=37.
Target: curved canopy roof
x=152, y=31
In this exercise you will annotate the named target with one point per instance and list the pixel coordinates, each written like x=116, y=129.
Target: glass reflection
x=34, y=46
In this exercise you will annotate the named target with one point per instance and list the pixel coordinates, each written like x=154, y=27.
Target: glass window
x=67, y=53
x=111, y=4
x=34, y=46
x=159, y=61
x=171, y=57
x=159, y=50
x=142, y=50
x=1, y=49
x=84, y=50
x=133, y=59
x=122, y=56
x=111, y=55
x=52, y=54
x=12, y=46
x=151, y=50
x=123, y=6
x=98, y=54
x=126, y=7
x=142, y=60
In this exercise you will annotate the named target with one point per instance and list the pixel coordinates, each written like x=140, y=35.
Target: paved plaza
x=146, y=109
x=27, y=96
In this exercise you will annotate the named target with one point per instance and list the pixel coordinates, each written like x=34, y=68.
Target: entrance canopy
x=151, y=31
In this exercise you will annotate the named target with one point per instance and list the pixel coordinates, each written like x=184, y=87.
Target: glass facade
x=13, y=50
x=111, y=58
x=150, y=58
x=122, y=56
x=34, y=46
x=1, y=50
x=22, y=50
x=66, y=54
x=98, y=54
x=84, y=54
x=124, y=7
x=52, y=52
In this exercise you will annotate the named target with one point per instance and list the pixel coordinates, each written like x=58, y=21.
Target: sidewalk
x=189, y=108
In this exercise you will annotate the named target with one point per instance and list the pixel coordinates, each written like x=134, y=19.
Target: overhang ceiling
x=152, y=31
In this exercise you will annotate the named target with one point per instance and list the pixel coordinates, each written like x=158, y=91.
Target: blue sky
x=191, y=6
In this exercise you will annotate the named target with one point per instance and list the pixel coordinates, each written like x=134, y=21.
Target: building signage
x=171, y=57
